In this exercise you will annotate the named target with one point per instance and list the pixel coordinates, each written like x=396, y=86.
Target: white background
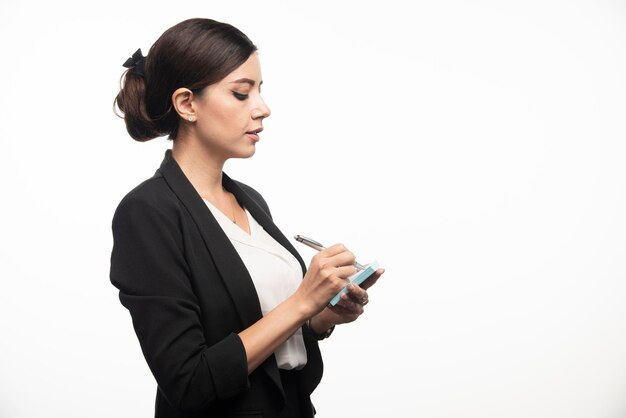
x=475, y=148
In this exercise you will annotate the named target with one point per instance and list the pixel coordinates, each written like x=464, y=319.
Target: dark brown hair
x=194, y=54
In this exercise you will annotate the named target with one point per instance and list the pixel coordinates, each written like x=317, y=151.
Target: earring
x=191, y=118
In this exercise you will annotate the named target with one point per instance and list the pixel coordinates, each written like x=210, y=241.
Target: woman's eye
x=240, y=96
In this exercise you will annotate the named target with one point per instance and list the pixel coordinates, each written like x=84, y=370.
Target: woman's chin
x=247, y=153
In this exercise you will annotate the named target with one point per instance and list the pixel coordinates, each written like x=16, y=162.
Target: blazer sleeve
x=148, y=267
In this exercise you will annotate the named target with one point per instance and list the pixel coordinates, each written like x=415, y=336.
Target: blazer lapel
x=234, y=274
x=230, y=266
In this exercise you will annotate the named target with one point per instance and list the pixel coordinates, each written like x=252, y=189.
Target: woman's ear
x=182, y=99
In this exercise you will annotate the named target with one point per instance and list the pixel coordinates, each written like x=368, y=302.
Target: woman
x=226, y=313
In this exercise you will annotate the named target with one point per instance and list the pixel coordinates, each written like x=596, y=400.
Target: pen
x=319, y=247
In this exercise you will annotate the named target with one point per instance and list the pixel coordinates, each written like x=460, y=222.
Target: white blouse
x=276, y=274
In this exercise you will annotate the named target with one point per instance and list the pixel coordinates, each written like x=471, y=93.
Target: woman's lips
x=254, y=134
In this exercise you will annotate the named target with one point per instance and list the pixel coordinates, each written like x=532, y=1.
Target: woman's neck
x=203, y=170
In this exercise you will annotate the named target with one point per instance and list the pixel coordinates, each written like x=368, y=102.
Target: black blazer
x=189, y=295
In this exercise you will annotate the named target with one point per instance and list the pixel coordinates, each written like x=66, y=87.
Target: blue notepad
x=357, y=278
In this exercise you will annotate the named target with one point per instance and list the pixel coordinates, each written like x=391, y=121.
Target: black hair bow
x=136, y=62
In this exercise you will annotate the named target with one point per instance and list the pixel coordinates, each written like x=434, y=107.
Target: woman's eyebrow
x=247, y=81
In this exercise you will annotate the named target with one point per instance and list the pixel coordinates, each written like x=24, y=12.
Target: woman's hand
x=349, y=307
x=326, y=275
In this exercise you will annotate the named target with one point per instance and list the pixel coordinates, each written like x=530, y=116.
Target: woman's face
x=230, y=113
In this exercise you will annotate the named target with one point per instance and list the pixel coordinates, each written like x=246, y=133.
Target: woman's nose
x=260, y=110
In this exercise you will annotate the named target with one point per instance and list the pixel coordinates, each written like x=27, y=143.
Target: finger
x=337, y=309
x=357, y=294
x=345, y=271
x=334, y=250
x=370, y=281
x=349, y=305
x=344, y=258
x=346, y=315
